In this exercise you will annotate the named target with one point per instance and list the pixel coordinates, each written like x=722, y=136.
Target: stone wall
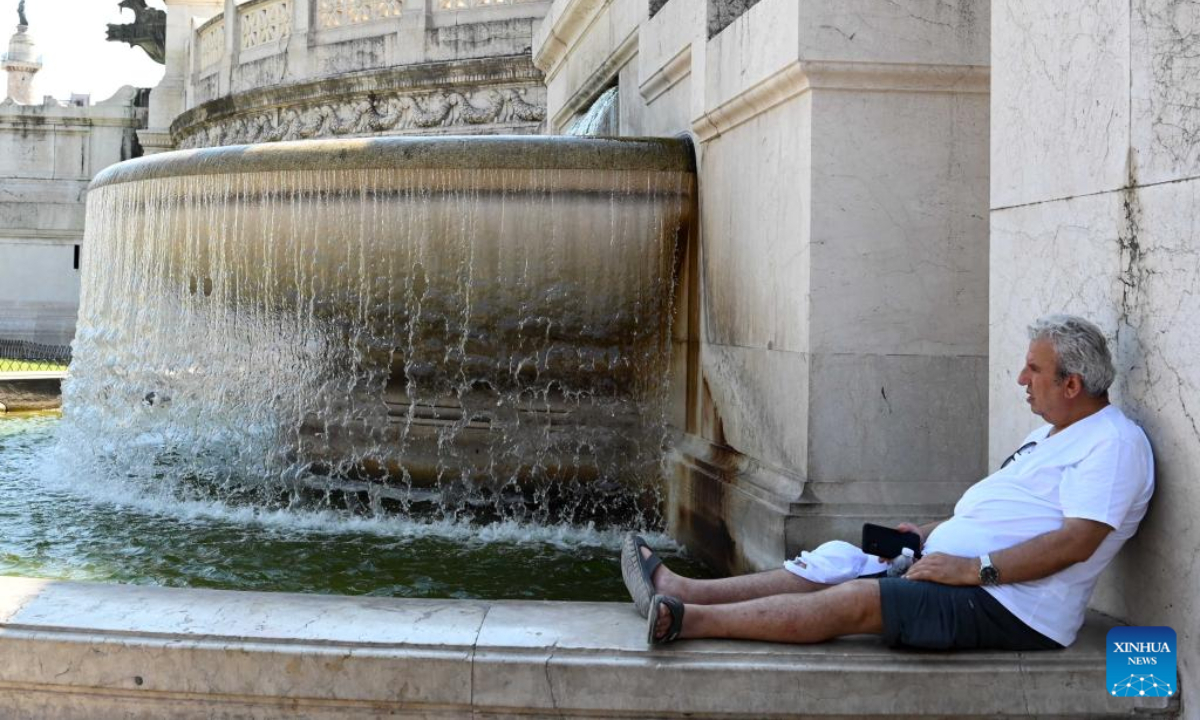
x=832, y=350
x=48, y=155
x=1095, y=208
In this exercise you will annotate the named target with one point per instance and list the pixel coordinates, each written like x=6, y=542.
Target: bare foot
x=666, y=582
x=662, y=625
x=663, y=620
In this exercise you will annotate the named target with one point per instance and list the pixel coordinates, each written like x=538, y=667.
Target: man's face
x=1044, y=391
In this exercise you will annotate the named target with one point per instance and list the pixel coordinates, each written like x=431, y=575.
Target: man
x=1012, y=569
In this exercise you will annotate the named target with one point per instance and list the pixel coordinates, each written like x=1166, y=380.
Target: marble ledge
x=665, y=46
x=595, y=80
x=668, y=76
x=560, y=29
x=135, y=651
x=724, y=114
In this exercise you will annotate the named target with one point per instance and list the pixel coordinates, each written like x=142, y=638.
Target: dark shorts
x=932, y=616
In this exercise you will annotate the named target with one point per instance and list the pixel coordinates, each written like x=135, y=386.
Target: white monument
x=21, y=62
x=49, y=152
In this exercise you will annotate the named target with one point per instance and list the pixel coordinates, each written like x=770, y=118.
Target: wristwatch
x=988, y=574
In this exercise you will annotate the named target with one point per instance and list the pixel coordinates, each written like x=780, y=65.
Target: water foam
x=38, y=469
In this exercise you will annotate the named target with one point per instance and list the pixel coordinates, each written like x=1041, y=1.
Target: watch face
x=988, y=575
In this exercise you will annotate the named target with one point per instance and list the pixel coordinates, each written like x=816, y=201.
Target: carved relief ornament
x=389, y=113
x=265, y=22
x=212, y=44
x=339, y=13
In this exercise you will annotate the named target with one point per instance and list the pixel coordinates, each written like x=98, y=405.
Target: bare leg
x=730, y=590
x=850, y=608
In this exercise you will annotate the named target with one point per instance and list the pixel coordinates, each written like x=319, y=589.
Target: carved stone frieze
x=374, y=114
x=265, y=22
x=339, y=13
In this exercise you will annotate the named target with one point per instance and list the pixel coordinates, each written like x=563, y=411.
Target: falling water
x=601, y=118
x=466, y=328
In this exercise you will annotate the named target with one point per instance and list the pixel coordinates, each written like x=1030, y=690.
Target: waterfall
x=467, y=327
x=601, y=118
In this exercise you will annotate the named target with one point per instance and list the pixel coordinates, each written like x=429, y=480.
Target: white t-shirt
x=1098, y=468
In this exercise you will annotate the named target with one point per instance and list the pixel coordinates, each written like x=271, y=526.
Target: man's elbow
x=1082, y=538
x=1080, y=553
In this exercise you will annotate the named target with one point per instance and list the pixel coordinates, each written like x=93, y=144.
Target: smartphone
x=888, y=542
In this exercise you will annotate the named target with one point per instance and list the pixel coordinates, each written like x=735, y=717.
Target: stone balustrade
x=210, y=42
x=369, y=31
x=270, y=63
x=264, y=21
x=472, y=4
x=340, y=13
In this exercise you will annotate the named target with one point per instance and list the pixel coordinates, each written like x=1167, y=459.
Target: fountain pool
x=57, y=524
x=414, y=367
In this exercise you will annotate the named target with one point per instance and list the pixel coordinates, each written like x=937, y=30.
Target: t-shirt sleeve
x=1104, y=484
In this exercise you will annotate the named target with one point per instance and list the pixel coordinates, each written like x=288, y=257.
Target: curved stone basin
x=477, y=312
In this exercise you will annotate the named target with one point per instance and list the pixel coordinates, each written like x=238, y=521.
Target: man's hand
x=945, y=569
x=921, y=533
x=909, y=527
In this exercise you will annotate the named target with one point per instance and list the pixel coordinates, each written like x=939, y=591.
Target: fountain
x=474, y=327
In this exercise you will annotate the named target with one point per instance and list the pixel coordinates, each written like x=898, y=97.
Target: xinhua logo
x=1141, y=662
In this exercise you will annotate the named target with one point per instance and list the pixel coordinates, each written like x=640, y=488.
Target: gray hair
x=1081, y=350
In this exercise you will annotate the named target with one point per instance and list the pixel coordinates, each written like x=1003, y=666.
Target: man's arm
x=1033, y=559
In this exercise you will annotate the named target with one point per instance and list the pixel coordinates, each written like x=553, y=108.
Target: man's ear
x=1073, y=386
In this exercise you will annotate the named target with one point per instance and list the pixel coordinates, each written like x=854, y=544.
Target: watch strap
x=988, y=574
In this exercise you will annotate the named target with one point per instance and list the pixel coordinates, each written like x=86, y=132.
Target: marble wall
x=1095, y=211
x=838, y=322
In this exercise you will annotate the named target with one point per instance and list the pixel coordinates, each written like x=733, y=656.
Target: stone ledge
x=76, y=650
x=30, y=391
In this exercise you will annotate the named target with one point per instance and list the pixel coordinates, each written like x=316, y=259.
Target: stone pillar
x=167, y=98
x=298, y=56
x=1094, y=210
x=22, y=64
x=233, y=43
x=841, y=284
x=845, y=249
x=408, y=47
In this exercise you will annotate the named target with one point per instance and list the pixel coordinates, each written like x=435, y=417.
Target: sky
x=69, y=35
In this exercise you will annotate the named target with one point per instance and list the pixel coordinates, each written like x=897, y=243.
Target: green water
x=59, y=526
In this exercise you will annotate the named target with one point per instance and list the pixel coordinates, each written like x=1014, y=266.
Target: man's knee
x=863, y=605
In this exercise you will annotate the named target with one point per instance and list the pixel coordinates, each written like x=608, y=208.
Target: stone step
x=29, y=393
x=15, y=375
x=80, y=650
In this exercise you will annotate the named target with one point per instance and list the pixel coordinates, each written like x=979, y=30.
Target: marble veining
x=1165, y=49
